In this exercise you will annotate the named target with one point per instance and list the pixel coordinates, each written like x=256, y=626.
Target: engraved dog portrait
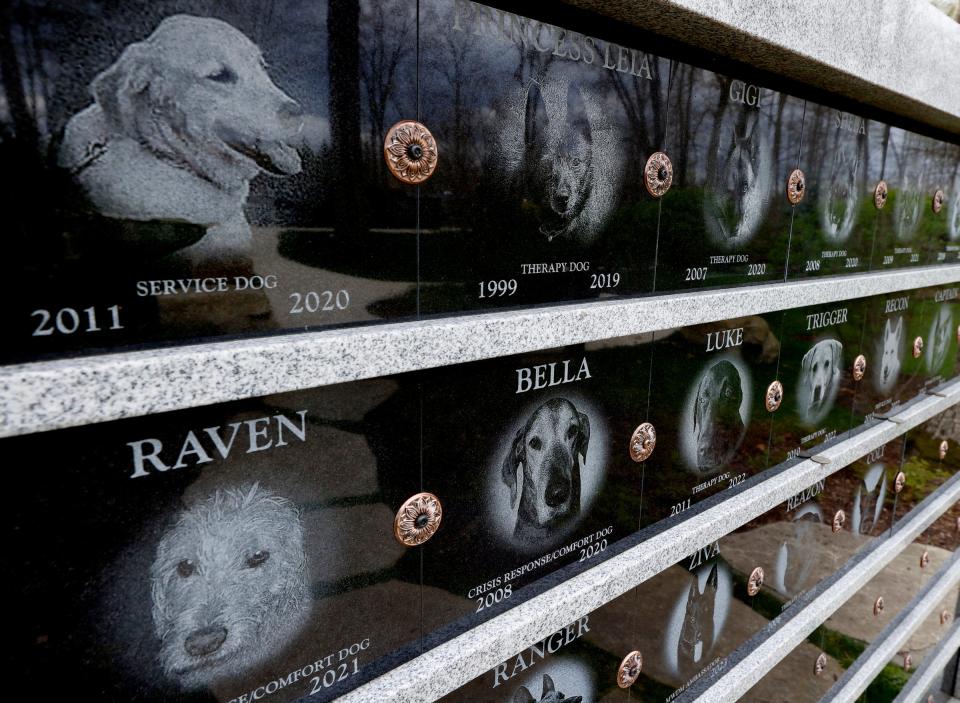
x=549, y=694
x=228, y=585
x=797, y=555
x=179, y=126
x=542, y=470
x=739, y=173
x=718, y=426
x=562, y=151
x=838, y=205
x=819, y=380
x=868, y=500
x=953, y=214
x=696, y=633
x=939, y=337
x=890, y=353
x=907, y=208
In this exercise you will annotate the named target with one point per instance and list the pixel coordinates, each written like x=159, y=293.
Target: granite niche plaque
x=532, y=456
x=214, y=170
x=242, y=551
x=822, y=363
x=546, y=132
x=712, y=391
x=735, y=145
x=833, y=226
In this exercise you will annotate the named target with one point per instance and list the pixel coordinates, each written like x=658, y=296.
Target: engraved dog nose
x=205, y=641
x=558, y=491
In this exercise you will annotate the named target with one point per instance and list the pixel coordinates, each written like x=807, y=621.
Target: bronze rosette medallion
x=410, y=152
x=774, y=396
x=642, y=442
x=859, y=367
x=796, y=186
x=629, y=670
x=658, y=174
x=418, y=519
x=880, y=195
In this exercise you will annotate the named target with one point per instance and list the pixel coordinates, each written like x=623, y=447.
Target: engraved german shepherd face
x=717, y=425
x=868, y=500
x=891, y=351
x=696, y=634
x=940, y=334
x=550, y=694
x=734, y=202
x=839, y=208
x=558, y=162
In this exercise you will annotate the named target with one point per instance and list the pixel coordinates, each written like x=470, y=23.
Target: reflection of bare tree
x=21, y=67
x=343, y=59
x=643, y=104
x=389, y=37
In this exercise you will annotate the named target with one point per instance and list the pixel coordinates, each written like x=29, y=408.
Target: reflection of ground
x=268, y=309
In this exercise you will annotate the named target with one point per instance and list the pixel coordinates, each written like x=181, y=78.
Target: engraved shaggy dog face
x=717, y=425
x=941, y=331
x=196, y=92
x=229, y=584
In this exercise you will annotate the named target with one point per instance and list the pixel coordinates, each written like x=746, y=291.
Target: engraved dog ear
x=712, y=579
x=898, y=331
x=577, y=119
x=807, y=361
x=515, y=457
x=583, y=437
x=522, y=695
x=121, y=89
x=836, y=348
x=536, y=120
x=548, y=686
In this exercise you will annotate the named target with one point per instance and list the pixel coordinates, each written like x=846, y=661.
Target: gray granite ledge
x=69, y=392
x=931, y=668
x=741, y=677
x=893, y=637
x=893, y=55
x=452, y=664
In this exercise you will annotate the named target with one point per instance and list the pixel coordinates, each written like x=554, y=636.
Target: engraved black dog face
x=550, y=448
x=696, y=635
x=717, y=425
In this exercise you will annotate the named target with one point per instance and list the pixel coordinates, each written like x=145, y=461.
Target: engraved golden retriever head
x=196, y=93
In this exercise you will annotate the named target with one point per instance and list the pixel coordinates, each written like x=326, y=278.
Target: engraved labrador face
x=819, y=380
x=717, y=424
x=799, y=553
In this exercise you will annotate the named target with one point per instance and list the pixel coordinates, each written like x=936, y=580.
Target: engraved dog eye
x=223, y=75
x=186, y=568
x=258, y=558
x=535, y=443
